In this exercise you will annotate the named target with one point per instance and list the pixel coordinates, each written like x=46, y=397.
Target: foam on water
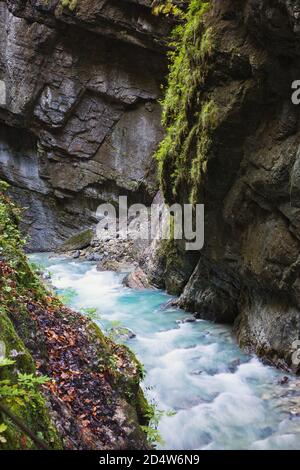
x=222, y=398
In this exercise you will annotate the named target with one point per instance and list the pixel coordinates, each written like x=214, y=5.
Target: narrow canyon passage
x=150, y=168
x=219, y=397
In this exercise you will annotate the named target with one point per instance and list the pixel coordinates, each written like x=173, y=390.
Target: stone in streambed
x=94, y=257
x=190, y=319
x=137, y=280
x=122, y=333
x=284, y=380
x=114, y=265
x=77, y=242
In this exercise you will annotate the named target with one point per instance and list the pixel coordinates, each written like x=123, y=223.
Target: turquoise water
x=221, y=397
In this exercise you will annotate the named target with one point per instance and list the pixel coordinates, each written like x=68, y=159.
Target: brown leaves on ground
x=82, y=390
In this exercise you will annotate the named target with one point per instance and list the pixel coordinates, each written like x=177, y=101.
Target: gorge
x=108, y=98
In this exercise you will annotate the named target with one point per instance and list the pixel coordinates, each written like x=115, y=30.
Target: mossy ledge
x=92, y=399
x=188, y=117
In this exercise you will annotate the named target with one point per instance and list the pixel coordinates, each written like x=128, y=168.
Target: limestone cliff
x=79, y=112
x=80, y=124
x=233, y=144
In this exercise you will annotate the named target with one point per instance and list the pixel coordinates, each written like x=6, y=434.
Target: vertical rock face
x=78, y=106
x=237, y=152
x=80, y=123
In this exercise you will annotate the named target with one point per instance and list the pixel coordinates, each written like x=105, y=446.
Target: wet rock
x=114, y=265
x=197, y=372
x=121, y=333
x=80, y=98
x=284, y=380
x=94, y=257
x=295, y=182
x=190, y=319
x=137, y=280
x=233, y=366
x=247, y=273
x=77, y=242
x=173, y=303
x=266, y=432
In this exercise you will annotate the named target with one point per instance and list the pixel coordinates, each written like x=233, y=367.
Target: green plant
x=142, y=371
x=24, y=390
x=116, y=325
x=91, y=313
x=3, y=428
x=6, y=362
x=189, y=119
x=36, y=268
x=11, y=249
x=155, y=415
x=166, y=7
x=70, y=4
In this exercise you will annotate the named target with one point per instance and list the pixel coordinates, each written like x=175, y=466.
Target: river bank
x=213, y=396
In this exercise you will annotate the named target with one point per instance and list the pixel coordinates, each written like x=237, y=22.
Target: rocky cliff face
x=81, y=123
x=233, y=143
x=79, y=112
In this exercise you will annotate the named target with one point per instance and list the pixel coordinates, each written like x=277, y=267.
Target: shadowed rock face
x=249, y=269
x=80, y=93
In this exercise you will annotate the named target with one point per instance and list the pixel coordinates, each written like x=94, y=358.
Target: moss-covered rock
x=34, y=413
x=15, y=278
x=77, y=242
x=232, y=144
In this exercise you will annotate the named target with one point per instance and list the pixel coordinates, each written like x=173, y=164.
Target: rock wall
x=78, y=106
x=78, y=103
x=233, y=144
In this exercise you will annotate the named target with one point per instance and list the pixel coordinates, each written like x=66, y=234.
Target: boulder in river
x=121, y=333
x=77, y=242
x=137, y=280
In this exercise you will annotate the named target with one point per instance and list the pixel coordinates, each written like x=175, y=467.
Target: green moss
x=35, y=413
x=78, y=242
x=12, y=342
x=36, y=416
x=127, y=380
x=70, y=4
x=167, y=8
x=189, y=120
x=16, y=279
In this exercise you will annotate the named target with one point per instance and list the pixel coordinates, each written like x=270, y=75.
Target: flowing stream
x=221, y=397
